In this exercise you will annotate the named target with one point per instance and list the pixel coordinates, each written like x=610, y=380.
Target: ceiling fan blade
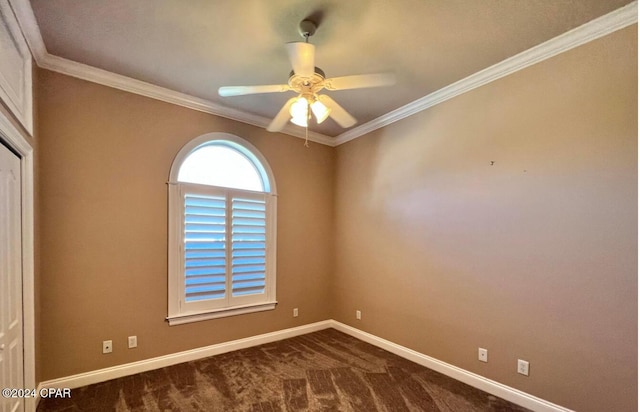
x=226, y=91
x=302, y=57
x=341, y=116
x=282, y=117
x=360, y=81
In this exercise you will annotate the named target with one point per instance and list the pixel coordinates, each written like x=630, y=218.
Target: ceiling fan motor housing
x=307, y=85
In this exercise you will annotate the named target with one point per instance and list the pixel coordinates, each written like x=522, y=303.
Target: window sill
x=219, y=313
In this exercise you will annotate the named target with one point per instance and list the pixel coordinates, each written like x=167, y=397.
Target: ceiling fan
x=307, y=81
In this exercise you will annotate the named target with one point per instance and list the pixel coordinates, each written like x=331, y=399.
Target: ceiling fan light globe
x=299, y=121
x=300, y=108
x=320, y=111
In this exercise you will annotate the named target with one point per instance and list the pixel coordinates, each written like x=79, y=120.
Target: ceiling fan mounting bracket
x=307, y=28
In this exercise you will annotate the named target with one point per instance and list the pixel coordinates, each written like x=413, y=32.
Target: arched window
x=222, y=210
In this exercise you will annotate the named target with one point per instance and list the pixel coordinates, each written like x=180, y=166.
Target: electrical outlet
x=133, y=342
x=358, y=315
x=295, y=312
x=107, y=346
x=523, y=367
x=483, y=355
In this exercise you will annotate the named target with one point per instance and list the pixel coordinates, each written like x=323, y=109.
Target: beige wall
x=534, y=257
x=104, y=162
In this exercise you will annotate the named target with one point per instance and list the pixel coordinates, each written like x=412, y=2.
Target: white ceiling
x=197, y=46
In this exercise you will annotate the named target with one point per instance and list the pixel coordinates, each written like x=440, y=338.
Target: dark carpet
x=321, y=371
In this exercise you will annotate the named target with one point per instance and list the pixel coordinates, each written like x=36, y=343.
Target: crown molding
x=599, y=27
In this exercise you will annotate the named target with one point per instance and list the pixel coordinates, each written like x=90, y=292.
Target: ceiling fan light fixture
x=300, y=108
x=320, y=111
x=300, y=112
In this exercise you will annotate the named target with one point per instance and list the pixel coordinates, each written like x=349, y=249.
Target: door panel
x=11, y=333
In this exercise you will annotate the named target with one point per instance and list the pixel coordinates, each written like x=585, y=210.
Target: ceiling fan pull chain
x=306, y=136
x=306, y=129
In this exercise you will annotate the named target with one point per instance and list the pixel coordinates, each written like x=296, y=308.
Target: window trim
x=176, y=315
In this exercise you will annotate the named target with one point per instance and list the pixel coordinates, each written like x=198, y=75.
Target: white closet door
x=11, y=333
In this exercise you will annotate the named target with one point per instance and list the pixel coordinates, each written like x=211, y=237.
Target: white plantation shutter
x=248, y=243
x=221, y=238
x=205, y=247
x=225, y=246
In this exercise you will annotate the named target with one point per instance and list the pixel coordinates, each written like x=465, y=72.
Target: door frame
x=19, y=144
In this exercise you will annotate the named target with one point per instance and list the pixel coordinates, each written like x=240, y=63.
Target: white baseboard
x=480, y=382
x=102, y=375
x=495, y=388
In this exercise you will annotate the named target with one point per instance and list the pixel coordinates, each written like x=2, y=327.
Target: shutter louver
x=204, y=247
x=248, y=243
